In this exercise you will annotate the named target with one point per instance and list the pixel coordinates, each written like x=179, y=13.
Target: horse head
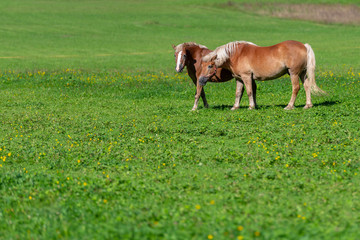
x=180, y=57
x=208, y=68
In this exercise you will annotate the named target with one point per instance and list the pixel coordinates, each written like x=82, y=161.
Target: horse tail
x=310, y=71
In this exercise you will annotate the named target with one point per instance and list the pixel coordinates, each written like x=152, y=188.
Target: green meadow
x=137, y=35
x=97, y=140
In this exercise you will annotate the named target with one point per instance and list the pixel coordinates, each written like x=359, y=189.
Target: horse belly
x=269, y=73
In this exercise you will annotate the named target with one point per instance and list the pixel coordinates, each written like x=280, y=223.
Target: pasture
x=97, y=140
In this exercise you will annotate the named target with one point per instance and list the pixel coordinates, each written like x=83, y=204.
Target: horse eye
x=184, y=55
x=210, y=66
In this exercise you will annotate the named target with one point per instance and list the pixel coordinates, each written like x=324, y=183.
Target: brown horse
x=189, y=54
x=249, y=62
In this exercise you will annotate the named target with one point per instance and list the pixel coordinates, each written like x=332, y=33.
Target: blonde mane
x=179, y=47
x=224, y=52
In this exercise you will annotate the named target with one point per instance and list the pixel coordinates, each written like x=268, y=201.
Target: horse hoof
x=251, y=108
x=289, y=107
x=307, y=106
x=206, y=106
x=234, y=108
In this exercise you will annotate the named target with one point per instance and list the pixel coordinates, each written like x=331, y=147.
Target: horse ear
x=173, y=46
x=213, y=58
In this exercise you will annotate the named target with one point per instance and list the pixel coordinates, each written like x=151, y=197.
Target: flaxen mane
x=179, y=47
x=223, y=52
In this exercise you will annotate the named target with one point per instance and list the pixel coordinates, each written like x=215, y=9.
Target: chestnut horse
x=249, y=62
x=189, y=54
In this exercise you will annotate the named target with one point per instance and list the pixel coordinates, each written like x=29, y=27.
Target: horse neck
x=191, y=52
x=225, y=65
x=193, y=55
x=228, y=63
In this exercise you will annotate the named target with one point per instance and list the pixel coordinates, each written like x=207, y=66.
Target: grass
x=109, y=155
x=97, y=140
x=137, y=35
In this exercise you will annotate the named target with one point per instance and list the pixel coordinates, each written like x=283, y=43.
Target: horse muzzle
x=180, y=69
x=203, y=80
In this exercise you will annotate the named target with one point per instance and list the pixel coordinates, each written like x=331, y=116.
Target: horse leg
x=307, y=88
x=254, y=90
x=249, y=90
x=199, y=91
x=203, y=97
x=238, y=94
x=295, y=90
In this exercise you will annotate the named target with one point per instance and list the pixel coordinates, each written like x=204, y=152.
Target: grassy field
x=121, y=156
x=97, y=140
x=137, y=35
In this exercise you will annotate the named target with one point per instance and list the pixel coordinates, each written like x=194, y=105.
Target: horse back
x=272, y=61
x=281, y=50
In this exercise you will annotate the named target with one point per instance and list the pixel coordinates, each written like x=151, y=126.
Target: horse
x=189, y=54
x=249, y=62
